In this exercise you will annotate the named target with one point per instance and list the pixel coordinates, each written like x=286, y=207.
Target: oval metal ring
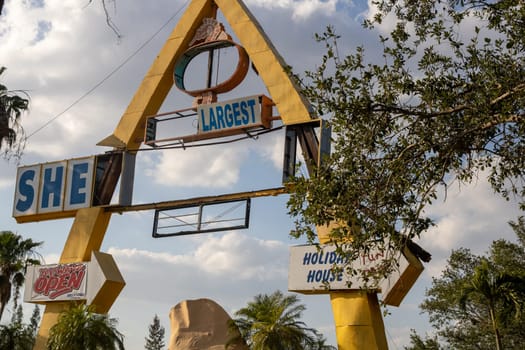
x=236, y=78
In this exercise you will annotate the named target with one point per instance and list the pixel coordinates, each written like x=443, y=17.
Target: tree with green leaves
x=272, y=322
x=155, y=339
x=419, y=343
x=17, y=335
x=81, y=328
x=16, y=254
x=319, y=344
x=477, y=301
x=12, y=105
x=444, y=103
x=495, y=288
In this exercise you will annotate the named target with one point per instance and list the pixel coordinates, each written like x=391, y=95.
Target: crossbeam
x=189, y=202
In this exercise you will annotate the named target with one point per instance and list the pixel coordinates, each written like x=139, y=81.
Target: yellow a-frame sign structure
x=358, y=320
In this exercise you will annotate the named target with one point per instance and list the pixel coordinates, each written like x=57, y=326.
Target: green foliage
x=417, y=343
x=272, y=322
x=155, y=339
x=478, y=299
x=437, y=107
x=15, y=255
x=493, y=288
x=12, y=105
x=81, y=328
x=17, y=335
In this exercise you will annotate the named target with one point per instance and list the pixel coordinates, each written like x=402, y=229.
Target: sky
x=81, y=78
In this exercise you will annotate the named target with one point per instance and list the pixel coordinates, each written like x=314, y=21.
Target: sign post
x=85, y=236
x=68, y=188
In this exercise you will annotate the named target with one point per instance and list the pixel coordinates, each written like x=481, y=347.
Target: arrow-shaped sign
x=97, y=281
x=311, y=271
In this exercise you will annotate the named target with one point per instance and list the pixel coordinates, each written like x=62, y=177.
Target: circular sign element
x=235, y=79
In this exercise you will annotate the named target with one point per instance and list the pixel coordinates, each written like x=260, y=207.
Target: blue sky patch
x=44, y=27
x=37, y=3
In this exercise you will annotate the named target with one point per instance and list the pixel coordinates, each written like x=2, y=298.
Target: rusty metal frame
x=267, y=118
x=199, y=222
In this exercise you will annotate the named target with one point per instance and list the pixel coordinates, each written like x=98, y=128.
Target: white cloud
x=273, y=149
x=226, y=254
x=5, y=183
x=78, y=51
x=7, y=175
x=308, y=8
x=387, y=24
x=471, y=217
x=54, y=71
x=301, y=9
x=233, y=254
x=216, y=167
x=50, y=259
x=467, y=214
x=229, y=268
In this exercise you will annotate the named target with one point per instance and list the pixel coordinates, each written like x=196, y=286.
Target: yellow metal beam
x=86, y=235
x=199, y=200
x=357, y=315
x=292, y=106
x=49, y=318
x=358, y=321
x=157, y=83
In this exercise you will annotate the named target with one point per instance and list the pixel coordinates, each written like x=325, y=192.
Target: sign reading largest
x=54, y=187
x=243, y=113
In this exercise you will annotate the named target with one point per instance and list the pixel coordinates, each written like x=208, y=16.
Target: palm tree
x=319, y=344
x=12, y=104
x=495, y=289
x=271, y=322
x=17, y=335
x=15, y=255
x=80, y=328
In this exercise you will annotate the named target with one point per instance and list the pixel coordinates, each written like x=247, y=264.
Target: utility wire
x=111, y=73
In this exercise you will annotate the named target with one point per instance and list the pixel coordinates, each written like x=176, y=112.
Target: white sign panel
x=57, y=282
x=80, y=180
x=75, y=281
x=27, y=187
x=312, y=271
x=54, y=187
x=234, y=114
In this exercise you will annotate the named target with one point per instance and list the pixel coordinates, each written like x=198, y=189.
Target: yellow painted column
x=85, y=236
x=358, y=321
x=357, y=314
x=292, y=106
x=49, y=318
